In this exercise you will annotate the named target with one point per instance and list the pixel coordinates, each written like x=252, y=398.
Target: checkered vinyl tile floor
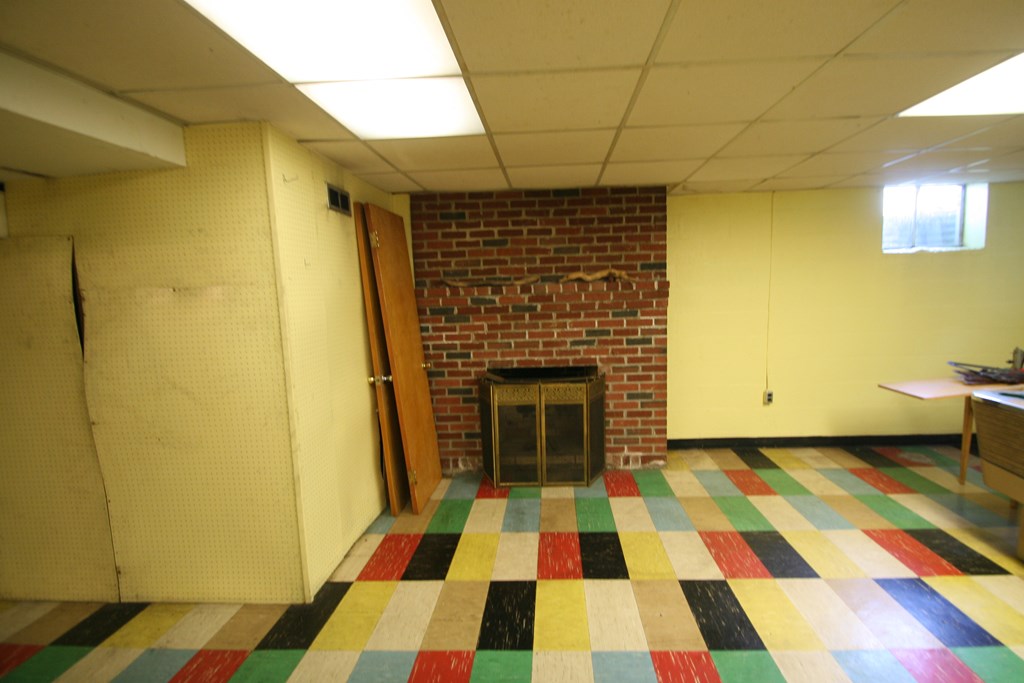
x=823, y=564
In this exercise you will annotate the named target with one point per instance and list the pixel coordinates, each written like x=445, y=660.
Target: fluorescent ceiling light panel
x=999, y=90
x=338, y=40
x=399, y=108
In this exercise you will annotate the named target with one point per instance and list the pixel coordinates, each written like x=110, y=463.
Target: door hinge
x=413, y=478
x=376, y=239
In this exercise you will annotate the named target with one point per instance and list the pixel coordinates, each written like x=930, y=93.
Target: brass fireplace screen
x=543, y=425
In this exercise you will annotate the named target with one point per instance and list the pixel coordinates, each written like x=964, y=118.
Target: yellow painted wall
x=54, y=530
x=791, y=290
x=335, y=442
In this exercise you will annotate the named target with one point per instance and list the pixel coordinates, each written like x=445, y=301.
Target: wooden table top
x=945, y=387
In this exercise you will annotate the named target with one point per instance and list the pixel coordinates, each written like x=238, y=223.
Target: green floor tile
x=268, y=666
x=783, y=484
x=742, y=514
x=901, y=517
x=524, y=492
x=652, y=483
x=594, y=514
x=48, y=663
x=502, y=667
x=450, y=517
x=909, y=477
x=742, y=667
x=993, y=664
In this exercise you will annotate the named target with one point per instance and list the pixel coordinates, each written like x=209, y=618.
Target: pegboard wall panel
x=54, y=534
x=335, y=442
x=184, y=372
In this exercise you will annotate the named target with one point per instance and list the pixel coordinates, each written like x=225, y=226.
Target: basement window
x=339, y=200
x=933, y=217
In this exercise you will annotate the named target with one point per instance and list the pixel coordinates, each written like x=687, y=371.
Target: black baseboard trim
x=812, y=441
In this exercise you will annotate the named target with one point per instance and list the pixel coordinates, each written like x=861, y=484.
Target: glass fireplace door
x=564, y=433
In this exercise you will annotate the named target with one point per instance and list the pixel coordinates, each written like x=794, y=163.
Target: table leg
x=965, y=442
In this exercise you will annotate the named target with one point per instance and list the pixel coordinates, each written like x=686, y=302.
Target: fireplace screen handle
x=379, y=379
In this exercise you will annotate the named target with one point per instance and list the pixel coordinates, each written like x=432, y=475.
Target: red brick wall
x=620, y=326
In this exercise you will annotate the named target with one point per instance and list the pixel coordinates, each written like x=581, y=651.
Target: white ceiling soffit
x=724, y=96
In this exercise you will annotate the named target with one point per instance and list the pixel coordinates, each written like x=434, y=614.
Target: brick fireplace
x=618, y=325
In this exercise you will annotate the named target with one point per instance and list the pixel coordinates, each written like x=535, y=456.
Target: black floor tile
x=755, y=459
x=720, y=618
x=602, y=556
x=432, y=558
x=778, y=556
x=966, y=559
x=101, y=624
x=871, y=456
x=509, y=612
x=299, y=625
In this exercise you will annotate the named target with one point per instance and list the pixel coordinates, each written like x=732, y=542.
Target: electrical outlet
x=769, y=397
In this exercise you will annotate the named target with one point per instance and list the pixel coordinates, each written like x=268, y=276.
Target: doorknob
x=427, y=365
x=385, y=379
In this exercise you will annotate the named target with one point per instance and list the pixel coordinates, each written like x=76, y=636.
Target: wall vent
x=338, y=200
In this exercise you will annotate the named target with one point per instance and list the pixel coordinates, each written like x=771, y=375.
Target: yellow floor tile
x=700, y=460
x=689, y=556
x=676, y=461
x=857, y=513
x=994, y=503
x=684, y=483
x=405, y=619
x=560, y=621
x=324, y=665
x=778, y=622
x=809, y=667
x=835, y=623
x=998, y=545
x=486, y=516
x=562, y=667
x=947, y=479
x=726, y=459
x=884, y=617
x=645, y=556
x=455, y=624
x=868, y=555
x=781, y=515
x=813, y=457
x=148, y=626
x=197, y=627
x=785, y=459
x=613, y=616
x=817, y=483
x=631, y=514
x=705, y=515
x=988, y=611
x=842, y=458
x=356, y=617
x=1008, y=588
x=474, y=558
x=827, y=560
x=667, y=620
x=928, y=509
x=558, y=514
x=516, y=559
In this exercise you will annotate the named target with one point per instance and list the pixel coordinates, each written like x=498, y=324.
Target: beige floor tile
x=53, y=623
x=357, y=557
x=684, y=483
x=324, y=665
x=517, y=557
x=613, y=616
x=817, y=483
x=631, y=514
x=21, y=615
x=781, y=515
x=809, y=667
x=246, y=627
x=842, y=458
x=101, y=664
x=857, y=513
x=408, y=523
x=835, y=623
x=558, y=514
x=726, y=459
x=455, y=623
x=486, y=516
x=562, y=667
x=667, y=620
x=884, y=617
x=872, y=559
x=705, y=515
x=689, y=556
x=405, y=619
x=197, y=627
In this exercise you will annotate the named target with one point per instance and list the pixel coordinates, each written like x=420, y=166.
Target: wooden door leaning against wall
x=400, y=370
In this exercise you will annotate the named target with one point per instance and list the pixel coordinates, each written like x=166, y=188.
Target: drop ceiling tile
x=289, y=110
x=716, y=93
x=1013, y=161
x=461, y=181
x=673, y=142
x=519, y=35
x=579, y=175
x=649, y=173
x=792, y=184
x=437, y=154
x=938, y=162
x=566, y=147
x=391, y=182
x=792, y=137
x=353, y=155
x=1006, y=133
x=875, y=86
x=745, y=168
x=943, y=26
x=713, y=186
x=841, y=164
x=914, y=133
x=740, y=29
x=555, y=101
x=129, y=45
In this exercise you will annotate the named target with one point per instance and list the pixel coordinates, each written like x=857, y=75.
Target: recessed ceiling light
x=999, y=90
x=399, y=108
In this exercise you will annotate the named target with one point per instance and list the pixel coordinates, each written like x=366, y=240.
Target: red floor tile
x=442, y=667
x=685, y=667
x=881, y=481
x=12, y=656
x=911, y=552
x=211, y=666
x=388, y=562
x=487, y=490
x=620, y=483
x=559, y=556
x=749, y=483
x=935, y=666
x=733, y=556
